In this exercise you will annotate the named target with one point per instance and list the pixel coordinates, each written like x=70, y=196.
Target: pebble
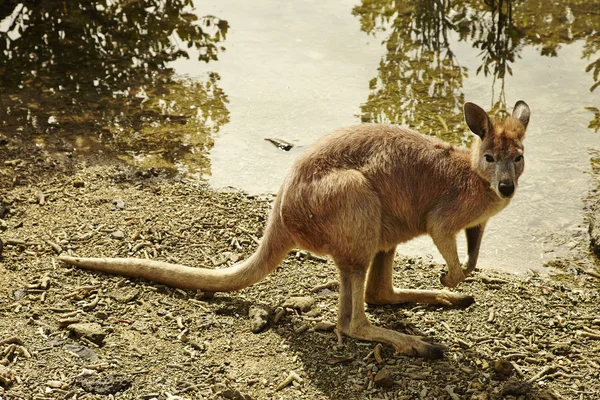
x=19, y=294
x=125, y=294
x=101, y=315
x=383, y=379
x=503, y=368
x=81, y=351
x=78, y=184
x=119, y=203
x=279, y=313
x=231, y=394
x=55, y=384
x=516, y=387
x=301, y=329
x=7, y=376
x=118, y=234
x=90, y=330
x=104, y=384
x=303, y=304
x=259, y=317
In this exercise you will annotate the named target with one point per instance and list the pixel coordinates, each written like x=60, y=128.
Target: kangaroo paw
x=468, y=270
x=450, y=299
x=451, y=281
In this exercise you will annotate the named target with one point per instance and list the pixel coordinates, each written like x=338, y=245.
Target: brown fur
x=355, y=195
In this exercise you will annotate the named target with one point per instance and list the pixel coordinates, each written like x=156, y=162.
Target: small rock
x=7, y=376
x=125, y=295
x=561, y=348
x=301, y=329
x=119, y=203
x=101, y=315
x=45, y=283
x=78, y=184
x=231, y=394
x=64, y=322
x=55, y=384
x=118, y=235
x=279, y=313
x=89, y=330
x=324, y=326
x=81, y=351
x=55, y=341
x=302, y=304
x=314, y=313
x=503, y=368
x=19, y=294
x=140, y=326
x=3, y=225
x=515, y=387
x=104, y=384
x=383, y=379
x=259, y=317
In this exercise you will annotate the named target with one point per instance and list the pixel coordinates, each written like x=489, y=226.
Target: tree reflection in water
x=420, y=80
x=93, y=75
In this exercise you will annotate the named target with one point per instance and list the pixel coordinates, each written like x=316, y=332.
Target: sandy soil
x=66, y=333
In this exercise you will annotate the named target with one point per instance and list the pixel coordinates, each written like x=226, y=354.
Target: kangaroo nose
x=506, y=188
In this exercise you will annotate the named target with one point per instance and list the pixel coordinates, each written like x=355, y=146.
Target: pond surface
x=160, y=84
x=297, y=71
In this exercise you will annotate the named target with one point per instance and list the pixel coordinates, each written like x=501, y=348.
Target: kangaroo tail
x=274, y=246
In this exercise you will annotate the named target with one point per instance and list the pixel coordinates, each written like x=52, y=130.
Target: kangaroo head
x=497, y=154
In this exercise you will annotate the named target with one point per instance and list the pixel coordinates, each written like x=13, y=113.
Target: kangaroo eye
x=489, y=158
x=518, y=158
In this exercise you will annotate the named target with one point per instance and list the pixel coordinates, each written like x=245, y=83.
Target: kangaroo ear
x=477, y=119
x=521, y=112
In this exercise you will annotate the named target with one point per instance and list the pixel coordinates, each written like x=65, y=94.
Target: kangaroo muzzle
x=506, y=188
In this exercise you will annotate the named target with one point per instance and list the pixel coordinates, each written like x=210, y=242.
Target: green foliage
x=595, y=122
x=420, y=80
x=98, y=68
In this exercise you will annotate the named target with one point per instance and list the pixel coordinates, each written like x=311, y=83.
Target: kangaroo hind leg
x=380, y=288
x=353, y=322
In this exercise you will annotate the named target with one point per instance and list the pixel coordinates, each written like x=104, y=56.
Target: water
x=292, y=72
x=297, y=70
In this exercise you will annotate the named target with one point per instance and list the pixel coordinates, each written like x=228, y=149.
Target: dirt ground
x=67, y=333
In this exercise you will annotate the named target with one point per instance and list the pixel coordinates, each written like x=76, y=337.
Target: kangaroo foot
x=452, y=280
x=450, y=299
x=436, y=297
x=410, y=345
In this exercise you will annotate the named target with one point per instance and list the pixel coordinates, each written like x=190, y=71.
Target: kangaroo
x=356, y=194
